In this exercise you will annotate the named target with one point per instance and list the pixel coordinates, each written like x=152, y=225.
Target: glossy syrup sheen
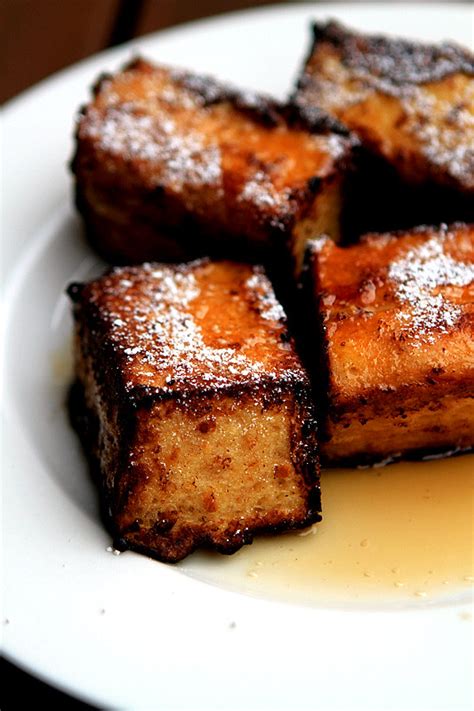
x=398, y=534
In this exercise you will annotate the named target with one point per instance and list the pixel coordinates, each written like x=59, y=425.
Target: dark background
x=42, y=36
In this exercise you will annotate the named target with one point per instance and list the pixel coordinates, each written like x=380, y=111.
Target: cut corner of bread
x=194, y=407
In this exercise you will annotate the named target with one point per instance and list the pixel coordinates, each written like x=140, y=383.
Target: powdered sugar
x=437, y=118
x=445, y=131
x=175, y=158
x=417, y=277
x=260, y=191
x=165, y=343
x=270, y=308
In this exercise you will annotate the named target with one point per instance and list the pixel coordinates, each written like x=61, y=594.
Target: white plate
x=126, y=631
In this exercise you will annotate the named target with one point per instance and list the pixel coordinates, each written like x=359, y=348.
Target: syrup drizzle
x=398, y=535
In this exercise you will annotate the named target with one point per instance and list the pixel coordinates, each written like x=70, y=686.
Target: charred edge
x=101, y=80
x=304, y=80
x=228, y=547
x=315, y=350
x=211, y=91
x=79, y=288
x=262, y=108
x=270, y=392
x=271, y=389
x=312, y=118
x=87, y=425
x=74, y=160
x=74, y=291
x=409, y=62
x=376, y=402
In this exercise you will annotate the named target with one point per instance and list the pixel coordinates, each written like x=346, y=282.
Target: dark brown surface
x=418, y=97
x=394, y=63
x=410, y=104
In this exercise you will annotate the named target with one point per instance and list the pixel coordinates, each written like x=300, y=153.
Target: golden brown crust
x=194, y=407
x=198, y=326
x=411, y=103
x=396, y=320
x=172, y=165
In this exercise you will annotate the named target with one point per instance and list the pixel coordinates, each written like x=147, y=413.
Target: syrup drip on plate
x=401, y=534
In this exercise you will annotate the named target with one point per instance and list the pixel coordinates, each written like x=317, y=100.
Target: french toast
x=394, y=318
x=193, y=406
x=171, y=166
x=412, y=107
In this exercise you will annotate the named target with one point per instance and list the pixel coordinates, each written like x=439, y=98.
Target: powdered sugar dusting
x=260, y=191
x=417, y=277
x=184, y=132
x=165, y=343
x=270, y=308
x=445, y=131
x=440, y=119
x=175, y=158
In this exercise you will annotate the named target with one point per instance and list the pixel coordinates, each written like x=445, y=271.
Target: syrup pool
x=397, y=534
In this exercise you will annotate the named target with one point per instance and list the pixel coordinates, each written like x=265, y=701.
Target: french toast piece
x=171, y=166
x=396, y=324
x=194, y=406
x=412, y=107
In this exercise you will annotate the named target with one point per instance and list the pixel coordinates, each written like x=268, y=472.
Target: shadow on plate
x=38, y=353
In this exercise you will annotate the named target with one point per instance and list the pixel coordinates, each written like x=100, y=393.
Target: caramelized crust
x=396, y=320
x=413, y=104
x=412, y=107
x=192, y=402
x=171, y=165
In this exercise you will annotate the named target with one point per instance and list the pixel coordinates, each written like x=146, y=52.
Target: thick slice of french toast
x=412, y=107
x=171, y=165
x=193, y=407
x=395, y=322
